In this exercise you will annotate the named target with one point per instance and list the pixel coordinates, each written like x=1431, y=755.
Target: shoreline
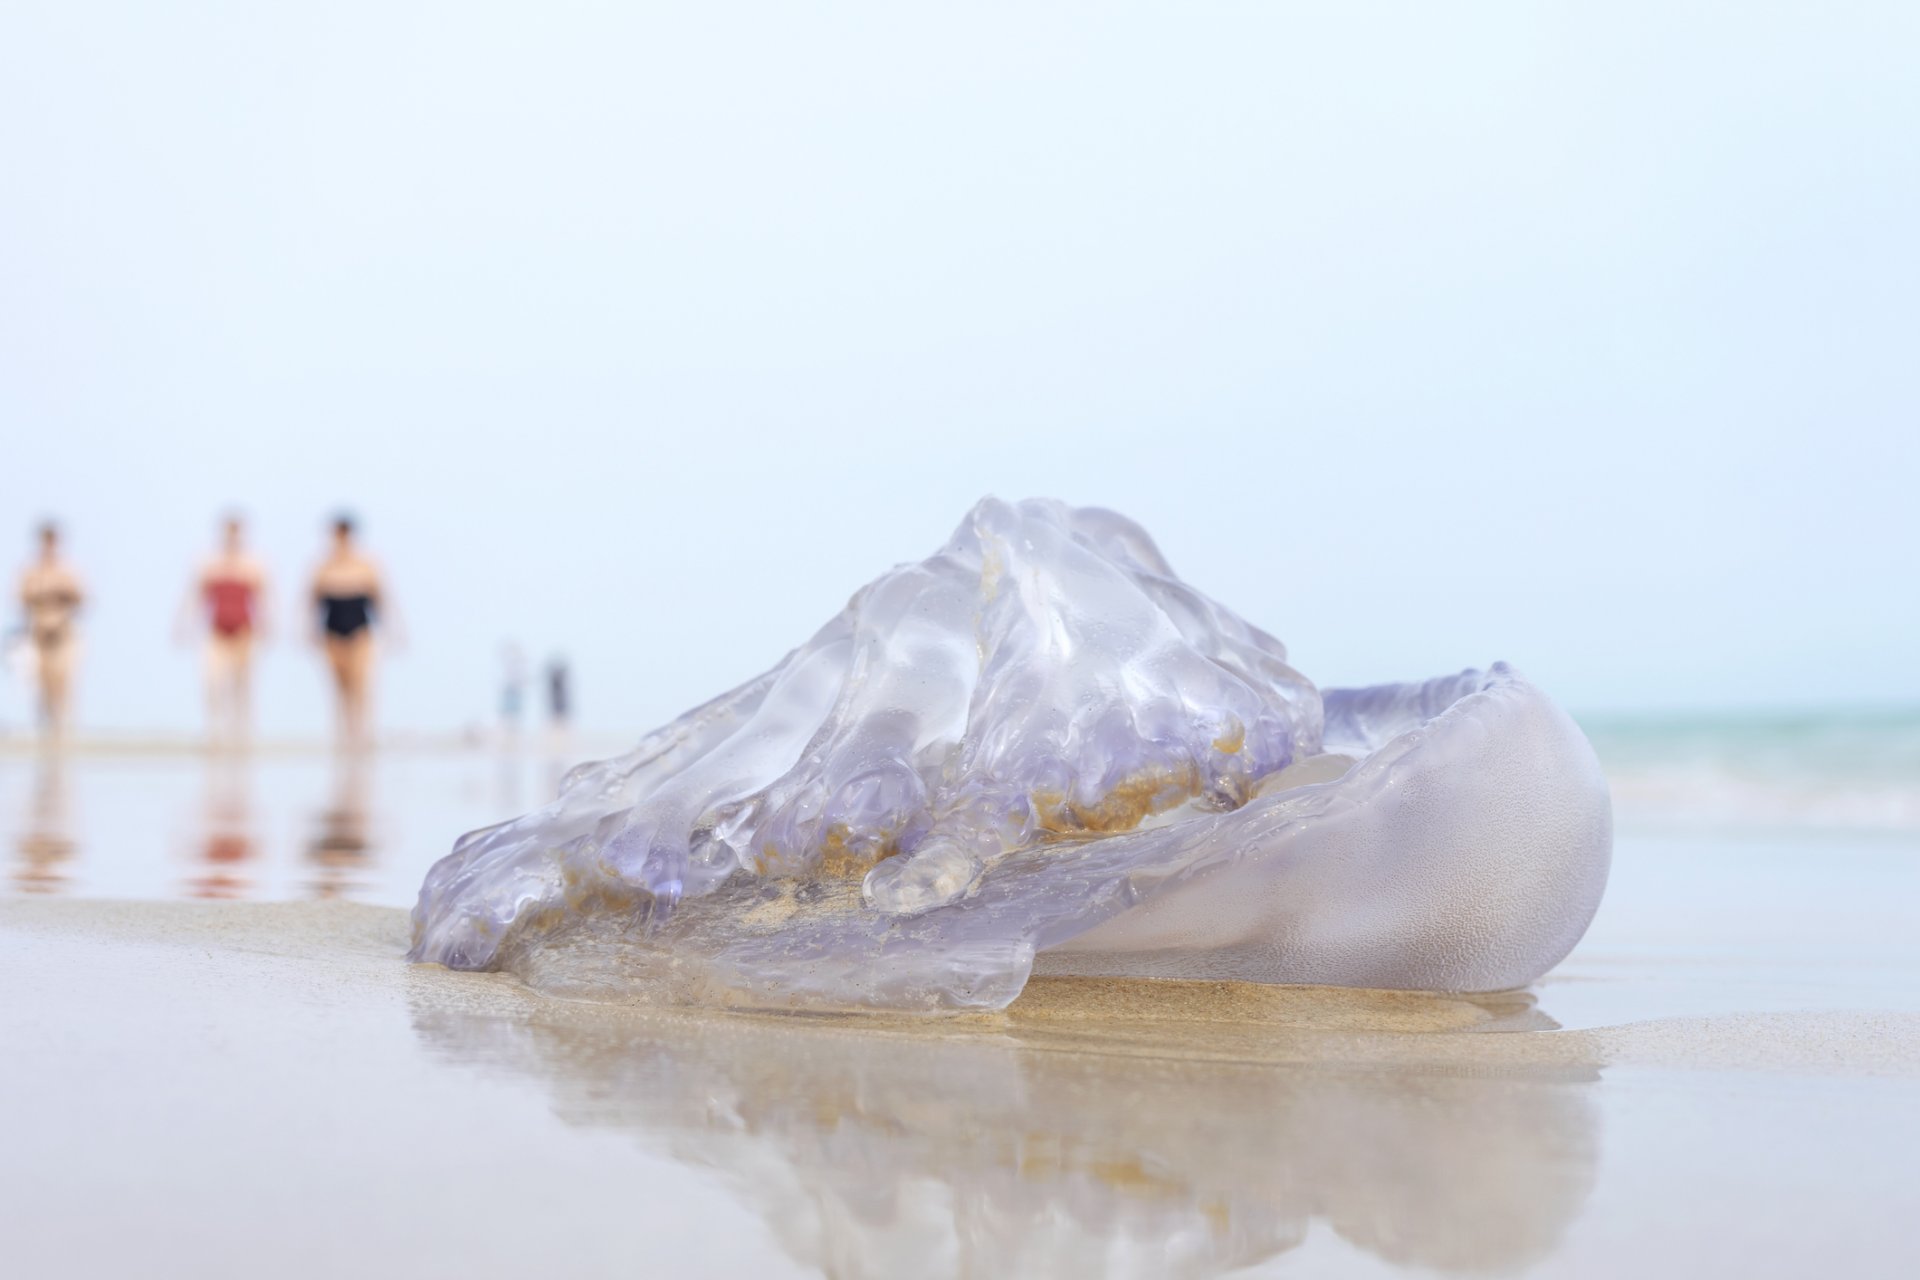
x=357, y=951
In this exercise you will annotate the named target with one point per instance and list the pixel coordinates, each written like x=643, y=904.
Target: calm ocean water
x=1835, y=771
x=173, y=822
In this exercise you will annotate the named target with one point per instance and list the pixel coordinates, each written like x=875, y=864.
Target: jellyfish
x=1039, y=751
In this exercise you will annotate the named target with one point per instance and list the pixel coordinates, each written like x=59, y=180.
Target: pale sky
x=1420, y=335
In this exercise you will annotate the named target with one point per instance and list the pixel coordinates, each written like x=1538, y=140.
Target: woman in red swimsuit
x=229, y=599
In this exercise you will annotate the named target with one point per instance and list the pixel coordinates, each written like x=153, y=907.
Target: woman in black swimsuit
x=346, y=616
x=347, y=598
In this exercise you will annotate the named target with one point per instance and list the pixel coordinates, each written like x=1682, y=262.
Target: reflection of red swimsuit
x=230, y=602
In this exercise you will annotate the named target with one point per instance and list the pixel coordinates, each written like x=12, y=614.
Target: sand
x=1721, y=1079
x=222, y=1089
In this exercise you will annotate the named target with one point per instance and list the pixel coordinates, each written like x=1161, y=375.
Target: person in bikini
x=50, y=597
x=348, y=598
x=228, y=598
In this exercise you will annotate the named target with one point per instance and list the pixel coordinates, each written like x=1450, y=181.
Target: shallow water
x=1699, y=918
x=237, y=1086
x=271, y=826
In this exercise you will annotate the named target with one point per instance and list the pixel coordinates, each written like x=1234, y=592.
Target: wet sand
x=216, y=1089
x=1723, y=1078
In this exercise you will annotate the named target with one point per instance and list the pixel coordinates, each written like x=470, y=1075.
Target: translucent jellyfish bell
x=1038, y=749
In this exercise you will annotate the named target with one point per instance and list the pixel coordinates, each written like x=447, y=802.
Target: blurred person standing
x=559, y=693
x=349, y=595
x=50, y=598
x=559, y=681
x=229, y=599
x=513, y=685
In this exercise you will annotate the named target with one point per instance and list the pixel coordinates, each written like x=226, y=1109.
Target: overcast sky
x=1421, y=335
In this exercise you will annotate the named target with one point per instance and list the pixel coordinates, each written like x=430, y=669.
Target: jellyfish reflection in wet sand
x=1038, y=750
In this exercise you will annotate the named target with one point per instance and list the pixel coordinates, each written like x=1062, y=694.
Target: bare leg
x=229, y=672
x=214, y=675
x=56, y=671
x=337, y=664
x=361, y=662
x=242, y=693
x=351, y=658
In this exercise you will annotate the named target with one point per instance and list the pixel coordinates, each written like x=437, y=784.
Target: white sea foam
x=1837, y=770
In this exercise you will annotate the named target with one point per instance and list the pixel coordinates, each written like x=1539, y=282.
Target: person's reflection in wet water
x=508, y=770
x=560, y=761
x=228, y=846
x=998, y=1152
x=341, y=851
x=45, y=846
